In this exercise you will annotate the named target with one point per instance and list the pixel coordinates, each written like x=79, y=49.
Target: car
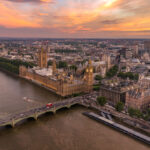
x=49, y=105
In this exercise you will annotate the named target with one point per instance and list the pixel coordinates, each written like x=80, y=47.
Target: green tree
x=112, y=71
x=50, y=63
x=146, y=117
x=148, y=111
x=136, y=76
x=122, y=75
x=146, y=114
x=129, y=75
x=73, y=67
x=131, y=111
x=138, y=113
x=119, y=106
x=13, y=65
x=98, y=78
x=67, y=51
x=101, y=100
x=123, y=67
x=135, y=112
x=62, y=64
x=96, y=87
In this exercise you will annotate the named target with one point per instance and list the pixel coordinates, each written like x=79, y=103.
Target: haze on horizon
x=75, y=18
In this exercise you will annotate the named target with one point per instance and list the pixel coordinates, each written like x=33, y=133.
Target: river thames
x=66, y=130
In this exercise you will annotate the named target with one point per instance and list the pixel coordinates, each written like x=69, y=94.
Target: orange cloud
x=31, y=1
x=71, y=16
x=12, y=18
x=131, y=24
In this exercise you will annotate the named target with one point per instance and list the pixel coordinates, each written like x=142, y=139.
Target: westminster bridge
x=36, y=112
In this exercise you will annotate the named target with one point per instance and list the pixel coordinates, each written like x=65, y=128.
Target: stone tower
x=108, y=62
x=88, y=77
x=54, y=67
x=42, y=58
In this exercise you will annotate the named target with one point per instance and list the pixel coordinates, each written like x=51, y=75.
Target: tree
x=122, y=75
x=138, y=113
x=123, y=67
x=102, y=45
x=146, y=117
x=13, y=65
x=98, y=77
x=62, y=64
x=68, y=51
x=136, y=76
x=96, y=88
x=131, y=112
x=112, y=71
x=146, y=114
x=101, y=100
x=50, y=63
x=135, y=112
x=129, y=75
x=73, y=67
x=148, y=111
x=119, y=106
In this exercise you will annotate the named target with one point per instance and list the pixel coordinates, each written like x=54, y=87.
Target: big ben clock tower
x=88, y=77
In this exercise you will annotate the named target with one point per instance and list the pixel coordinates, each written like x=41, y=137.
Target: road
x=39, y=110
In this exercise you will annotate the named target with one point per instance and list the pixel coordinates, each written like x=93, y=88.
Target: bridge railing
x=31, y=112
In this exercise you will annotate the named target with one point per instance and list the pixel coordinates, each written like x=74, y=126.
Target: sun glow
x=76, y=17
x=109, y=2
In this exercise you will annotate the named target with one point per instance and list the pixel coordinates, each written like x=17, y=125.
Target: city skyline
x=75, y=18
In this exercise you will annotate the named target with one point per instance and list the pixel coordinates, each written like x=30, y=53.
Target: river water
x=66, y=130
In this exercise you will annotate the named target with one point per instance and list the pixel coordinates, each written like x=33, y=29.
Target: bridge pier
x=13, y=123
x=54, y=110
x=35, y=116
x=68, y=106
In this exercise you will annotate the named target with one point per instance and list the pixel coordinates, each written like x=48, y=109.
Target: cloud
x=11, y=18
x=111, y=22
x=77, y=17
x=31, y=1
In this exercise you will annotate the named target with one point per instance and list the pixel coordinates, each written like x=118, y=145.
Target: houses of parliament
x=56, y=80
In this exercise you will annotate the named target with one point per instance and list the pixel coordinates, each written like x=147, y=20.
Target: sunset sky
x=75, y=18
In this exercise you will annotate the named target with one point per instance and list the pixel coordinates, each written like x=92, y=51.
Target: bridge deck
x=35, y=113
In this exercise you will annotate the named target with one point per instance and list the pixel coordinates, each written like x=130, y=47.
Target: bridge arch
x=36, y=113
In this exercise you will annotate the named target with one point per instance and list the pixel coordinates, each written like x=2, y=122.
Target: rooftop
x=119, y=85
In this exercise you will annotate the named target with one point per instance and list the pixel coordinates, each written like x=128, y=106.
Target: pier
x=119, y=127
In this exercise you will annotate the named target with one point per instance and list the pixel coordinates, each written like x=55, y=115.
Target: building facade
x=138, y=99
x=115, y=90
x=58, y=81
